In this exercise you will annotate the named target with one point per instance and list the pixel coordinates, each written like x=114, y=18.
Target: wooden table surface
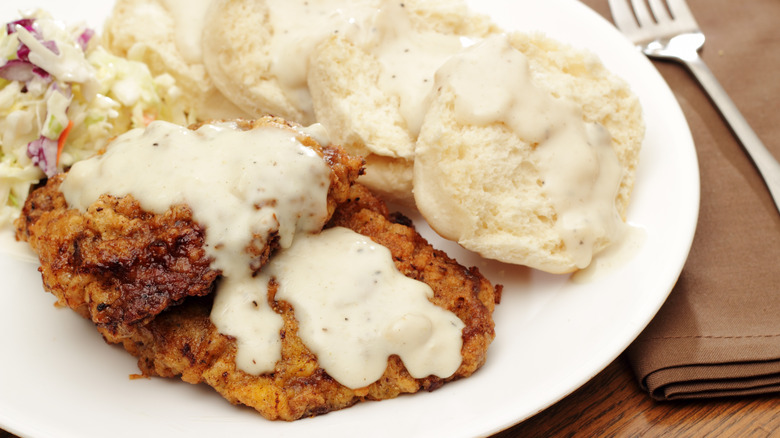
x=612, y=404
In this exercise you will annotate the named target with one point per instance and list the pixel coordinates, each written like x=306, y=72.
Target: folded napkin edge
x=647, y=355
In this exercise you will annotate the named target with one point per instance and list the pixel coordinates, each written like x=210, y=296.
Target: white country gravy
x=409, y=59
x=298, y=26
x=237, y=183
x=579, y=169
x=354, y=308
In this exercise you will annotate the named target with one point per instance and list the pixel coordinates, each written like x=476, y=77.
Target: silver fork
x=668, y=30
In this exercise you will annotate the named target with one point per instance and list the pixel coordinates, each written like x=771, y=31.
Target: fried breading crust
x=115, y=263
x=120, y=266
x=183, y=342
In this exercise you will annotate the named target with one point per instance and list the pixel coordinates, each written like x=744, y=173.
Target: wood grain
x=613, y=405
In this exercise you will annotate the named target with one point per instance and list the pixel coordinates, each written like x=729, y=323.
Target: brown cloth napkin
x=718, y=334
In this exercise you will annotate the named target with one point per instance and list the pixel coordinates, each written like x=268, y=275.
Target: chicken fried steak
x=120, y=265
x=183, y=341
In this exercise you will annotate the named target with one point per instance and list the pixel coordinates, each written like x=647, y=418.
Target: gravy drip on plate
x=580, y=172
x=355, y=309
x=299, y=25
x=409, y=58
x=189, y=18
x=239, y=185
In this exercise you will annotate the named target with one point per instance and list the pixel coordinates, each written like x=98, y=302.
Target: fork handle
x=767, y=164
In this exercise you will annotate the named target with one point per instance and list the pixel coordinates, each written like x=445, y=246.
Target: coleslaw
x=63, y=97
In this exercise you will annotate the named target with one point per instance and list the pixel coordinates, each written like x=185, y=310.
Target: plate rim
x=507, y=419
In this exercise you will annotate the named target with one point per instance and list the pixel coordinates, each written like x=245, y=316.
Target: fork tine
x=623, y=16
x=660, y=12
x=643, y=15
x=682, y=13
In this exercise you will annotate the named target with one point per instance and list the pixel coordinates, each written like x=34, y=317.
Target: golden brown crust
x=125, y=268
x=115, y=263
x=183, y=341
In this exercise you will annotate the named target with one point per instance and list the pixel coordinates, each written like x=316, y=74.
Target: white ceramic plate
x=58, y=377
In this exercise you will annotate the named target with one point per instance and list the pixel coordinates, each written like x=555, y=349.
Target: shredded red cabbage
x=22, y=71
x=84, y=38
x=23, y=52
x=43, y=153
x=27, y=23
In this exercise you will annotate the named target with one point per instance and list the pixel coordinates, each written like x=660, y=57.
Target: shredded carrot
x=61, y=140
